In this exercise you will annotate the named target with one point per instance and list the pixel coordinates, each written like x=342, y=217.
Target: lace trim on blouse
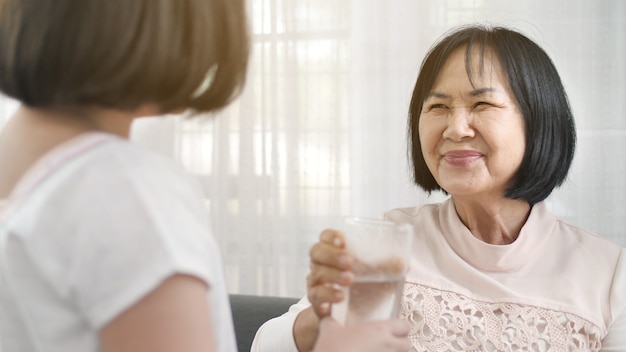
x=447, y=321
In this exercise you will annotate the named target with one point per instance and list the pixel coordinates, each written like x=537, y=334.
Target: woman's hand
x=378, y=336
x=330, y=266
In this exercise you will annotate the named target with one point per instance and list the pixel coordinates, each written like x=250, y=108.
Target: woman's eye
x=482, y=104
x=436, y=107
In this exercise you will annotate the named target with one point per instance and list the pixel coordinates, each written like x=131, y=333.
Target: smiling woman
x=490, y=124
x=471, y=130
x=525, y=89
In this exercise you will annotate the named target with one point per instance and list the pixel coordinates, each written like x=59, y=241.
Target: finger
x=400, y=344
x=396, y=327
x=322, y=310
x=325, y=293
x=321, y=298
x=399, y=335
x=333, y=237
x=328, y=254
x=366, y=337
x=400, y=328
x=324, y=275
x=329, y=268
x=328, y=323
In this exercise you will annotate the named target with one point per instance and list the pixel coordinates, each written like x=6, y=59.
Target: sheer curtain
x=319, y=131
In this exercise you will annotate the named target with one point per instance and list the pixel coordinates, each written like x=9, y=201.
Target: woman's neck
x=496, y=222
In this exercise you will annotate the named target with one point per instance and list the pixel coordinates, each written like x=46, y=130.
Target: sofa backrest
x=250, y=312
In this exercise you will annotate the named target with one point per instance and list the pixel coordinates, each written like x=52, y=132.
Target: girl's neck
x=31, y=133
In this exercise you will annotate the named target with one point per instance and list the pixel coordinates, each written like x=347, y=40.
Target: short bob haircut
x=533, y=78
x=176, y=54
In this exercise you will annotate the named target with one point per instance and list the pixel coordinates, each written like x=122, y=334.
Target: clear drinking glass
x=381, y=256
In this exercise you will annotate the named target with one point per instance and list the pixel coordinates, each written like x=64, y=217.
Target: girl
x=105, y=246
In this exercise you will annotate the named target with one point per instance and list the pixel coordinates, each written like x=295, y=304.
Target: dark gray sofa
x=250, y=312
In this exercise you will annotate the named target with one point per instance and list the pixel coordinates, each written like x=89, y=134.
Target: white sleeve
x=276, y=335
x=131, y=221
x=615, y=339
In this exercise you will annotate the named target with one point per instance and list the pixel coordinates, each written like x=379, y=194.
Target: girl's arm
x=174, y=317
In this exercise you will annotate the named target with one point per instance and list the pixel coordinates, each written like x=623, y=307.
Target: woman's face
x=472, y=136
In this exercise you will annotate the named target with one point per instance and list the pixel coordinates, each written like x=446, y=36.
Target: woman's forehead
x=478, y=66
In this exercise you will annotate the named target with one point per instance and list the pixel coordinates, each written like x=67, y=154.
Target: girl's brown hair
x=177, y=54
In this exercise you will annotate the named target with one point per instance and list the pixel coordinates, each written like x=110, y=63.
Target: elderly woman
x=492, y=268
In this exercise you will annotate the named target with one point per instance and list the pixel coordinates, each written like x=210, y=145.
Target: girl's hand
x=377, y=336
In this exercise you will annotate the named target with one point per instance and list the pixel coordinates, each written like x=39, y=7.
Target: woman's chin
x=461, y=189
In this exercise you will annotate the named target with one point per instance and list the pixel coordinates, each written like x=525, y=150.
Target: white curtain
x=319, y=131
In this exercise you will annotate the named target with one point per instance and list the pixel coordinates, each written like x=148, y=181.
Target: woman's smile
x=461, y=158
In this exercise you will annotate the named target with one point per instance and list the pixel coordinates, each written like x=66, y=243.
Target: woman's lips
x=461, y=157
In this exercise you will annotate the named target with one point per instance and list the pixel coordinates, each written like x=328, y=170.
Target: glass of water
x=380, y=250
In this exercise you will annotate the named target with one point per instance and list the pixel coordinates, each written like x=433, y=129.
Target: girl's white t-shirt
x=92, y=228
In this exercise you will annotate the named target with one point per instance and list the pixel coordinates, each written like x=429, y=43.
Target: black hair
x=535, y=82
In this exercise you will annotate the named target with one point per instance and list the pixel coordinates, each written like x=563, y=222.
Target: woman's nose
x=460, y=124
